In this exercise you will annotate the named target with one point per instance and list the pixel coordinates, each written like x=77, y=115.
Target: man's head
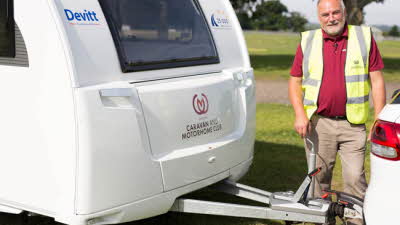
x=331, y=16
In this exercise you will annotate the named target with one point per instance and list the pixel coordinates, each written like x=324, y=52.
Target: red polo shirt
x=332, y=95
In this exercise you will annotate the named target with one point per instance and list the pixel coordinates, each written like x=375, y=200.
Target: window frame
x=127, y=67
x=11, y=50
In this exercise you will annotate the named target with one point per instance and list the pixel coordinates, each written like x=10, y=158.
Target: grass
x=272, y=55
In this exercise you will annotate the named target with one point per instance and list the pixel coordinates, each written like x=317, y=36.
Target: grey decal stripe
x=308, y=102
x=357, y=78
x=307, y=53
x=363, y=45
x=358, y=100
x=311, y=82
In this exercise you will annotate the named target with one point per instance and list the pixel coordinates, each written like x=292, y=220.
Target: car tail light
x=386, y=140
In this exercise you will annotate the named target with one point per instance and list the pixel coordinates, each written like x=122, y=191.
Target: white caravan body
x=114, y=108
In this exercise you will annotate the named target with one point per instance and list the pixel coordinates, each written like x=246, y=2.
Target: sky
x=387, y=13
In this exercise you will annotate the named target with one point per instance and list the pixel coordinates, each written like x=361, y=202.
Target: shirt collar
x=344, y=34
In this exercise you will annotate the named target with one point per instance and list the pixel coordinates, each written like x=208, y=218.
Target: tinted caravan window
x=156, y=34
x=7, y=32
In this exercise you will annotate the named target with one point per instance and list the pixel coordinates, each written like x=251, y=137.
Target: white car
x=382, y=198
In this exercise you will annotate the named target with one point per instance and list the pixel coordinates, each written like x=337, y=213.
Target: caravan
x=112, y=109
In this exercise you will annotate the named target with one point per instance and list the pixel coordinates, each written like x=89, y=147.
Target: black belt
x=335, y=117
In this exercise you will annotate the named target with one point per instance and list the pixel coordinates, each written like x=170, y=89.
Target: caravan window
x=156, y=34
x=7, y=32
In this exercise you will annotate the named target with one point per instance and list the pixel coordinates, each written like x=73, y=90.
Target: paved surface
x=272, y=91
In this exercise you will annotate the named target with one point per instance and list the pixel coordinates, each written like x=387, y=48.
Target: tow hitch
x=299, y=206
x=288, y=206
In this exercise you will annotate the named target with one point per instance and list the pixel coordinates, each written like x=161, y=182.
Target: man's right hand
x=302, y=126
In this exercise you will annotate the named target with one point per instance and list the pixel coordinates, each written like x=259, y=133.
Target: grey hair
x=341, y=3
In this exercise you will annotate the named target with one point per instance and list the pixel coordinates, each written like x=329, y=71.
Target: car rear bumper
x=382, y=197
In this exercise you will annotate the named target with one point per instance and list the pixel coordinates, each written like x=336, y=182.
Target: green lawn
x=272, y=55
x=277, y=140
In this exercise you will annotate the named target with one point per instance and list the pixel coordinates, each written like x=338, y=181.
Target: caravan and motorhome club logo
x=201, y=126
x=200, y=104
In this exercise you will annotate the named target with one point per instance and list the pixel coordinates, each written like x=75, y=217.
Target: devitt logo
x=81, y=18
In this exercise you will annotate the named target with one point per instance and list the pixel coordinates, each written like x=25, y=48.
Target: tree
x=297, y=22
x=245, y=21
x=239, y=4
x=394, y=31
x=270, y=15
x=355, y=10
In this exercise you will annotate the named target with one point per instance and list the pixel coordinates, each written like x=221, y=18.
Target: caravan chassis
x=287, y=206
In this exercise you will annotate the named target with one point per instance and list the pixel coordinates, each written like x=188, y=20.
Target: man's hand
x=302, y=126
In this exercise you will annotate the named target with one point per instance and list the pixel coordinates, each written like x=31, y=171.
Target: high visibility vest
x=356, y=71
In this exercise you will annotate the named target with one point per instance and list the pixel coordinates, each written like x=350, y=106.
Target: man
x=334, y=69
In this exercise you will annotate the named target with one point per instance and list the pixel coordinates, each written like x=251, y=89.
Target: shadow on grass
x=271, y=62
x=391, y=64
x=276, y=167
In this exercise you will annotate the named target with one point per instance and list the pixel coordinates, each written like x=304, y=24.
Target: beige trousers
x=331, y=136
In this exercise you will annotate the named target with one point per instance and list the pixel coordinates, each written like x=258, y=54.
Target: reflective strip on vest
x=358, y=100
x=311, y=82
x=357, y=78
x=356, y=71
x=308, y=102
x=362, y=44
x=307, y=53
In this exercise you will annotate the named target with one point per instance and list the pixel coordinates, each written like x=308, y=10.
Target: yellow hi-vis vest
x=356, y=71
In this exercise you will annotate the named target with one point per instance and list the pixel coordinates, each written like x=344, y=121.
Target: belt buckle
x=339, y=117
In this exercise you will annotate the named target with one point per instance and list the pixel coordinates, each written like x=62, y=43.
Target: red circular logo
x=200, y=104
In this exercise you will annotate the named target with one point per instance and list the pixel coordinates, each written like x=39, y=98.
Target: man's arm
x=378, y=94
x=378, y=91
x=302, y=123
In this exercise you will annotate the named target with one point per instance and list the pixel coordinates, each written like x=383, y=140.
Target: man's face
x=331, y=16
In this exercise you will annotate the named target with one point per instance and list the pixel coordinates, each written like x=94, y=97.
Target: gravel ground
x=272, y=91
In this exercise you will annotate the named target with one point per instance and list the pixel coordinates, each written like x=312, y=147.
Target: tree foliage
x=297, y=22
x=394, y=31
x=270, y=15
x=238, y=4
x=354, y=8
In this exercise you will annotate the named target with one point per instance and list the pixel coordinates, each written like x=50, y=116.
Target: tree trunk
x=354, y=11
